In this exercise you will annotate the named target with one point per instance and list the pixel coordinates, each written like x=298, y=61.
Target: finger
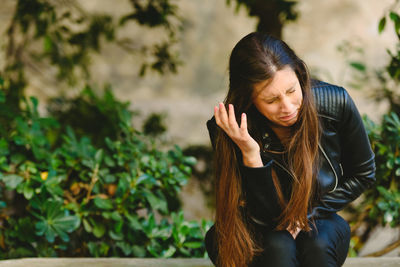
x=216, y=115
x=222, y=114
x=232, y=117
x=243, y=123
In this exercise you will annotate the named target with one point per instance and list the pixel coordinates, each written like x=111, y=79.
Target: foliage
x=380, y=83
x=385, y=141
x=98, y=116
x=61, y=36
x=381, y=203
x=154, y=125
x=271, y=14
x=72, y=198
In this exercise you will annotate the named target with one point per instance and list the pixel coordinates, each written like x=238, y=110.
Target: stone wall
x=211, y=29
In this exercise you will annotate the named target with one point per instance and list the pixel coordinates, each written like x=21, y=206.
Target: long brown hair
x=256, y=58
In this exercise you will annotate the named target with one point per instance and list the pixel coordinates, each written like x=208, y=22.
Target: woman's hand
x=295, y=232
x=249, y=147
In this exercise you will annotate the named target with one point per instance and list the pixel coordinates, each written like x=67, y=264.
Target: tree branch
x=385, y=250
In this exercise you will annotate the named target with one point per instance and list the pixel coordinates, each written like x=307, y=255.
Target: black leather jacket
x=347, y=165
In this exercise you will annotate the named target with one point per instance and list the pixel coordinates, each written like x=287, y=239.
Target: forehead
x=283, y=80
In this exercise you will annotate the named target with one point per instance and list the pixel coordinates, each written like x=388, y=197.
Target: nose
x=286, y=104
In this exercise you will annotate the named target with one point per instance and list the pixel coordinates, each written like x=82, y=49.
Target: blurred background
x=104, y=149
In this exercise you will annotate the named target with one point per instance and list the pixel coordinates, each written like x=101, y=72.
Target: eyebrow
x=270, y=97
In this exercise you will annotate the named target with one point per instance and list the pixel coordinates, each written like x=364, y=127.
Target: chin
x=288, y=123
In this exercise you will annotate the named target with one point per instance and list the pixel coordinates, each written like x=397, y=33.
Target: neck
x=283, y=133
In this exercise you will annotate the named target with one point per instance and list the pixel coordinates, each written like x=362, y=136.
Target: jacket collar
x=270, y=141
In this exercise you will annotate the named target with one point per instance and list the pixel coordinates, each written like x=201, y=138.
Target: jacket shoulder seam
x=330, y=101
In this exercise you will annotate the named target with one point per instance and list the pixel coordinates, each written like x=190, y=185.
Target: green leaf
x=116, y=216
x=99, y=156
x=358, y=66
x=98, y=249
x=106, y=214
x=47, y=44
x=139, y=251
x=193, y=244
x=87, y=226
x=169, y=252
x=125, y=247
x=98, y=229
x=56, y=222
x=394, y=16
x=390, y=163
x=382, y=24
x=105, y=204
x=116, y=236
x=2, y=95
x=146, y=179
x=156, y=202
x=396, y=19
x=118, y=226
x=28, y=191
x=133, y=222
x=190, y=160
x=12, y=180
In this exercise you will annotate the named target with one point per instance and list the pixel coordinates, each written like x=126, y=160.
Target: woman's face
x=279, y=98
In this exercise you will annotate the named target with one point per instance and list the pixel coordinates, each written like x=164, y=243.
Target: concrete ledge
x=372, y=262
x=136, y=262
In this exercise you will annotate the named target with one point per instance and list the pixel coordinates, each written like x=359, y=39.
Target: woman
x=289, y=153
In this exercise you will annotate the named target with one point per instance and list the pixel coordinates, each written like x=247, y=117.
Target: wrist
x=252, y=160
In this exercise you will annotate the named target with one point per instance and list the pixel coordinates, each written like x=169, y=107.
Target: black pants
x=326, y=245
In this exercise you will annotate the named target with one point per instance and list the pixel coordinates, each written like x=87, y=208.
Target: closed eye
x=290, y=91
x=270, y=101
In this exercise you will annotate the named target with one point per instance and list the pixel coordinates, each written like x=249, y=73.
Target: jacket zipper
x=333, y=169
x=280, y=165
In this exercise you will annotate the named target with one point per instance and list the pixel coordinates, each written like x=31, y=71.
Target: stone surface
x=130, y=262
x=372, y=262
x=379, y=238
x=210, y=30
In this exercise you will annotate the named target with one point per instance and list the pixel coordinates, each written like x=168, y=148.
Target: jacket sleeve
x=357, y=160
x=259, y=190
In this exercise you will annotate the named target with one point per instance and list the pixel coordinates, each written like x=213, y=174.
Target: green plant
x=381, y=203
x=73, y=198
x=272, y=15
x=58, y=38
x=381, y=83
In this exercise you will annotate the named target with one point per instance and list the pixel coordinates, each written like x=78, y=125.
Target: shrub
x=72, y=198
x=381, y=203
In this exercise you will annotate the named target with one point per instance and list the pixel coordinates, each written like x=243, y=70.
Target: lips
x=289, y=117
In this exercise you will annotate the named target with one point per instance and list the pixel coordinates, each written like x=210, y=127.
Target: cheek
x=299, y=98
x=269, y=111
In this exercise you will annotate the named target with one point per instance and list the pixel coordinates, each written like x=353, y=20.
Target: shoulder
x=330, y=99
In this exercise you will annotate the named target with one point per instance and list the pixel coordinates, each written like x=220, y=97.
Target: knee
x=344, y=232
x=280, y=242
x=317, y=245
